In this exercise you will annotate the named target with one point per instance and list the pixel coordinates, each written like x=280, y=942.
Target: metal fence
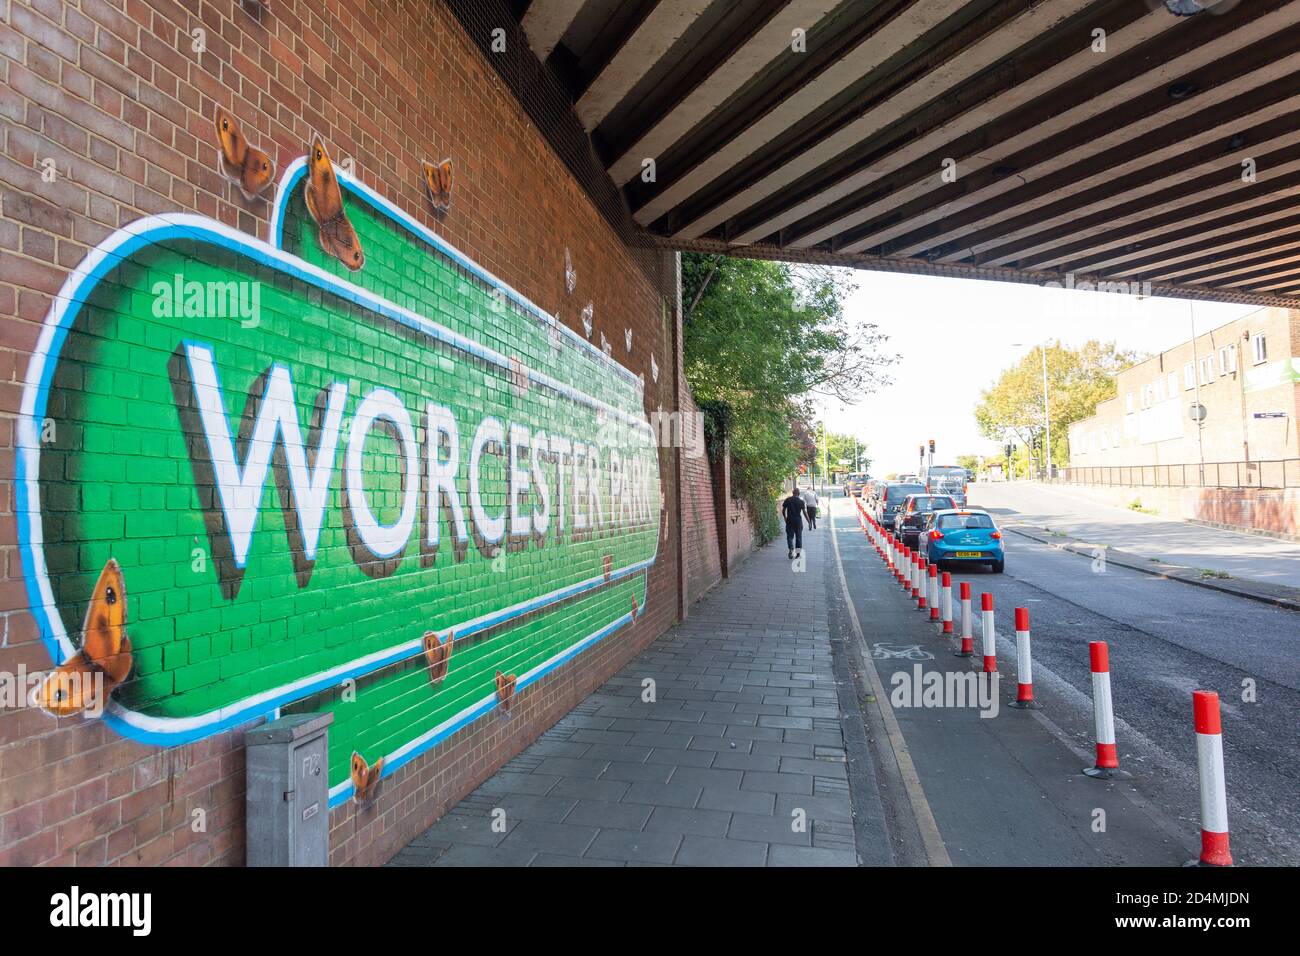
x=1221, y=474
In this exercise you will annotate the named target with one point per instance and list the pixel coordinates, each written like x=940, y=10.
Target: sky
x=955, y=336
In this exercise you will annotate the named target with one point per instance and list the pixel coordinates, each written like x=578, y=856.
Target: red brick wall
x=112, y=93
x=699, y=520
x=740, y=533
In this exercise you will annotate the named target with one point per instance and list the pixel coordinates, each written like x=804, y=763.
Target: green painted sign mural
x=367, y=491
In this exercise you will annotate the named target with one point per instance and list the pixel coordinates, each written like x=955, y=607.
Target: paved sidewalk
x=1248, y=557
x=745, y=732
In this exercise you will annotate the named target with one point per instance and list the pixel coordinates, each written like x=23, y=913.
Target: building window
x=1189, y=376
x=1128, y=403
x=1261, y=348
x=1227, y=360
x=1207, y=370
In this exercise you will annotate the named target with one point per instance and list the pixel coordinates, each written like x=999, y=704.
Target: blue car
x=963, y=536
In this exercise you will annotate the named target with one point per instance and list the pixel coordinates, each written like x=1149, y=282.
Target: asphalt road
x=1166, y=639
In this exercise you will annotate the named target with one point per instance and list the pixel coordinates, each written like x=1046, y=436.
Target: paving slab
x=742, y=739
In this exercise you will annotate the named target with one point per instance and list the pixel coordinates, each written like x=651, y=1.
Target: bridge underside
x=1110, y=140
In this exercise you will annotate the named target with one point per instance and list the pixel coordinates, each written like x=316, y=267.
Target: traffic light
x=931, y=446
x=922, y=451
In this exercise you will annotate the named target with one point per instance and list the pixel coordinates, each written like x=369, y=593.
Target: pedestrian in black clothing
x=793, y=509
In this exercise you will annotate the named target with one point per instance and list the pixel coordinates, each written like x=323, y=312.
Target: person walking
x=810, y=506
x=793, y=509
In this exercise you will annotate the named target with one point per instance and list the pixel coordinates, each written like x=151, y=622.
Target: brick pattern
x=699, y=519
x=106, y=113
x=1163, y=388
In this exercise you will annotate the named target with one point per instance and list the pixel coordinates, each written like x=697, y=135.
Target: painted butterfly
x=438, y=653
x=505, y=691
x=325, y=203
x=249, y=168
x=364, y=778
x=437, y=178
x=105, y=655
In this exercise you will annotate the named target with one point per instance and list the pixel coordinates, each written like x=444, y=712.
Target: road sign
x=1270, y=415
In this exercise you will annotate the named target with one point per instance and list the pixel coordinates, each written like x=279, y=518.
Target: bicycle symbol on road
x=906, y=652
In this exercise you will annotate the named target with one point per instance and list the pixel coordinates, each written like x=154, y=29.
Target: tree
x=766, y=332
x=760, y=338
x=1077, y=380
x=843, y=447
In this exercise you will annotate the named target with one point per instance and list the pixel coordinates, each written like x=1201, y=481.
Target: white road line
x=935, y=851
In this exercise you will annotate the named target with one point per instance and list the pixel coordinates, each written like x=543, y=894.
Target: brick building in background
x=110, y=116
x=1245, y=375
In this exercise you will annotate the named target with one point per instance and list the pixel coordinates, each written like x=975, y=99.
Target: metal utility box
x=287, y=802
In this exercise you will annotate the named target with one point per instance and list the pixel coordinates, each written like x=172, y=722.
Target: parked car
x=891, y=499
x=871, y=492
x=915, y=512
x=963, y=536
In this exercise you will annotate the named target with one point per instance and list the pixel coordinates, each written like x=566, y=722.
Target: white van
x=946, y=480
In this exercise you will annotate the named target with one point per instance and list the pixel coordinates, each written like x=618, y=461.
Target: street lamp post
x=1196, y=379
x=1047, y=418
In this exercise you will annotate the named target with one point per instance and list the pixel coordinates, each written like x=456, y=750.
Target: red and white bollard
x=905, y=569
x=1103, y=714
x=1209, y=767
x=967, y=638
x=946, y=587
x=990, y=641
x=934, y=592
x=921, y=585
x=1024, y=666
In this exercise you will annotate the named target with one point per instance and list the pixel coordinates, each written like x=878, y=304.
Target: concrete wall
x=109, y=116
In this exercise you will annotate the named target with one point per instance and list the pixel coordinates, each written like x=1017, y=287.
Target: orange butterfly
x=365, y=779
x=505, y=691
x=325, y=203
x=438, y=180
x=438, y=652
x=249, y=168
x=104, y=660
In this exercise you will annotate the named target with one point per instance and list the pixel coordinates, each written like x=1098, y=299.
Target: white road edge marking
x=935, y=851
